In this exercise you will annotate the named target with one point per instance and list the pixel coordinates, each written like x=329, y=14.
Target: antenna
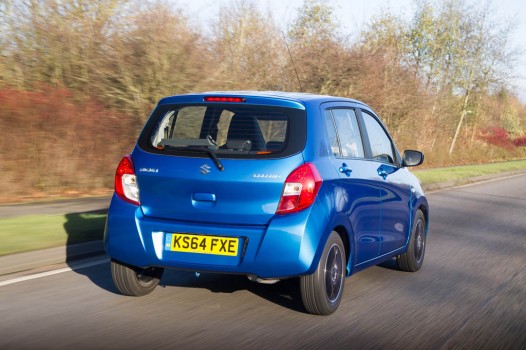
x=292, y=60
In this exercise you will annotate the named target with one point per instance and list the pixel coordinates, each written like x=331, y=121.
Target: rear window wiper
x=203, y=149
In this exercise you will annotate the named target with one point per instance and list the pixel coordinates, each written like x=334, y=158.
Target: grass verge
x=466, y=172
x=33, y=232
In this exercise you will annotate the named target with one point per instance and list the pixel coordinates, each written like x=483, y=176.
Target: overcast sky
x=353, y=15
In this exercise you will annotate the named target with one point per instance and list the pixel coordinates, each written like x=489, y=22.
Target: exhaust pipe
x=255, y=278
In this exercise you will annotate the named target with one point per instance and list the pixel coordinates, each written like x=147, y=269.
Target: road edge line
x=53, y=272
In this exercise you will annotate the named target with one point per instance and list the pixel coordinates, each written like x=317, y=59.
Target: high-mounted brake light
x=300, y=189
x=126, y=185
x=224, y=99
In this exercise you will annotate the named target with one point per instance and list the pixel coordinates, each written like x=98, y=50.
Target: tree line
x=78, y=78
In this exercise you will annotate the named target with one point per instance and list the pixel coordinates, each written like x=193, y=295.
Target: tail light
x=300, y=189
x=126, y=185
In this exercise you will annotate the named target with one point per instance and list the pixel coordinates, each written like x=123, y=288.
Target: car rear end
x=218, y=182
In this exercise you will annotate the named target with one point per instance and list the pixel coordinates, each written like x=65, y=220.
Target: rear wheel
x=413, y=258
x=322, y=291
x=134, y=281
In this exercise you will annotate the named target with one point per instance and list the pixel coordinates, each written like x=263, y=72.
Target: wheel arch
x=344, y=235
x=425, y=210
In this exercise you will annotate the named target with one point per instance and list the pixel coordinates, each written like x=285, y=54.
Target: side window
x=348, y=133
x=331, y=133
x=381, y=145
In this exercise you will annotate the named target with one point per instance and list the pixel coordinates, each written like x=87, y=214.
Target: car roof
x=298, y=97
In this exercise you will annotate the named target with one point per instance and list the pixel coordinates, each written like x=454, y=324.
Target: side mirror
x=412, y=158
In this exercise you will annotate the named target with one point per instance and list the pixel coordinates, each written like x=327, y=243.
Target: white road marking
x=53, y=272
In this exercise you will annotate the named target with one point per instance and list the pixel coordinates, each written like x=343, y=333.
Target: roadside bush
x=520, y=141
x=53, y=143
x=499, y=137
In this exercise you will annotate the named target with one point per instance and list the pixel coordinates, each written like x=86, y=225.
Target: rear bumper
x=286, y=247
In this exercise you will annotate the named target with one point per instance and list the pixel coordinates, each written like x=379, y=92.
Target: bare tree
x=248, y=49
x=56, y=42
x=319, y=50
x=153, y=53
x=483, y=56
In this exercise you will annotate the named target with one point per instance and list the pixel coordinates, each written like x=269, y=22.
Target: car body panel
x=247, y=191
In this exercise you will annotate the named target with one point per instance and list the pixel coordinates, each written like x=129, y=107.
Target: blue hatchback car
x=270, y=185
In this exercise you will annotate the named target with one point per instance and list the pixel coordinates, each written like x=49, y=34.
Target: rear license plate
x=215, y=245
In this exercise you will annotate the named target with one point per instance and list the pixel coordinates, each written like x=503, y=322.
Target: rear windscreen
x=229, y=130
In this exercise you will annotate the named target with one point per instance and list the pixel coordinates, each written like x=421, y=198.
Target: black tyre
x=322, y=291
x=134, y=281
x=413, y=258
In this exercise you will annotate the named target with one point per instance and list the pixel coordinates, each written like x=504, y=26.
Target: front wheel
x=322, y=291
x=134, y=281
x=413, y=258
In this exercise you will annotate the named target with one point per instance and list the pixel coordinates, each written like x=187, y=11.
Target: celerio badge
x=148, y=170
x=266, y=176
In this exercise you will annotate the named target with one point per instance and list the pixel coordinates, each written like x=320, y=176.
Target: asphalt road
x=470, y=294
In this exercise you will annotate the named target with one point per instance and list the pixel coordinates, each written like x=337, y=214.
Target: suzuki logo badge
x=205, y=169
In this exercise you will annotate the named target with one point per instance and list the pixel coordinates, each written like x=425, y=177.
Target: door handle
x=382, y=173
x=345, y=170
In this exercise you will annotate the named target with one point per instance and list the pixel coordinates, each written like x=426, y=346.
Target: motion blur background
x=78, y=78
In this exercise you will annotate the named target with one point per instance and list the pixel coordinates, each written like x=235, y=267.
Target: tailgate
x=247, y=191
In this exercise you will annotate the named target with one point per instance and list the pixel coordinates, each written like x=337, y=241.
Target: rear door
x=360, y=197
x=217, y=163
